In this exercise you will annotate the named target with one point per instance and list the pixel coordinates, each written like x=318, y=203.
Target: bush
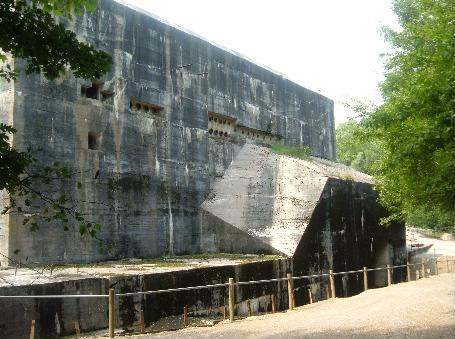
x=432, y=219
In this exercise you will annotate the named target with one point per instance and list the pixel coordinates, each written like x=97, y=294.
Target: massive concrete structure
x=172, y=145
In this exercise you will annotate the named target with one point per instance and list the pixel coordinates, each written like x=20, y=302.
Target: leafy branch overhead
x=29, y=31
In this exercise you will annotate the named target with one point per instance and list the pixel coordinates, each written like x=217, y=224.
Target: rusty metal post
x=248, y=305
x=231, y=299
x=365, y=279
x=408, y=272
x=290, y=291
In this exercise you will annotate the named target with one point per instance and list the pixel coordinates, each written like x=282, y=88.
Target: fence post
x=435, y=262
x=310, y=295
x=389, y=276
x=224, y=312
x=423, y=269
x=408, y=272
x=185, y=316
x=231, y=299
x=77, y=329
x=290, y=291
x=447, y=264
x=32, y=330
x=365, y=279
x=142, y=321
x=332, y=284
x=273, y=303
x=248, y=305
x=111, y=312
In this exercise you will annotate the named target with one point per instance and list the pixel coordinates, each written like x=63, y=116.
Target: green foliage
x=29, y=31
x=355, y=148
x=66, y=7
x=431, y=219
x=416, y=123
x=296, y=152
x=12, y=162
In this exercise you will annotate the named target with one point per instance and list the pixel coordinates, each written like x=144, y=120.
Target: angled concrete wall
x=322, y=214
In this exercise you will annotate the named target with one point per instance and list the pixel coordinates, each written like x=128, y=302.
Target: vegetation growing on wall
x=303, y=152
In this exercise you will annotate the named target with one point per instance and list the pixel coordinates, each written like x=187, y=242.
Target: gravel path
x=419, y=309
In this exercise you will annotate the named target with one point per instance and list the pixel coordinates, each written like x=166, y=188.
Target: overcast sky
x=329, y=46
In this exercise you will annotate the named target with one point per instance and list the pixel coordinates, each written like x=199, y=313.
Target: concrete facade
x=150, y=139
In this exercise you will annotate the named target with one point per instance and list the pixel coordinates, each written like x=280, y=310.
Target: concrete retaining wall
x=56, y=317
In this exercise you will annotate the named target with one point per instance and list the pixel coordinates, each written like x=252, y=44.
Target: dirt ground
x=418, y=309
x=29, y=274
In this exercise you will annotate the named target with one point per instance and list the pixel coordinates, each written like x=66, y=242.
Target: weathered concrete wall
x=324, y=215
x=151, y=158
x=344, y=234
x=56, y=317
x=264, y=198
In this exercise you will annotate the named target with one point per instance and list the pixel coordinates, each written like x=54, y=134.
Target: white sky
x=329, y=46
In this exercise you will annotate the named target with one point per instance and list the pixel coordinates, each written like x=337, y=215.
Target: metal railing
x=231, y=290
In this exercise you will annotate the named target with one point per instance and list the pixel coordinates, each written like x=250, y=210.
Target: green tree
x=356, y=148
x=29, y=30
x=416, y=123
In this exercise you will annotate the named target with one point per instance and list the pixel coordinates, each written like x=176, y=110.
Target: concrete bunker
x=171, y=140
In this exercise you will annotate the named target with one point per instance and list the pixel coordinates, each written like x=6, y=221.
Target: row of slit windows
x=218, y=133
x=145, y=107
x=96, y=92
x=220, y=120
x=220, y=126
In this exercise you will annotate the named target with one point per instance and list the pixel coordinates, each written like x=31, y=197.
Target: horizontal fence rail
x=231, y=284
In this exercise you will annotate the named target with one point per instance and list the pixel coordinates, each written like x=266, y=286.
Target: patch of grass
x=346, y=177
x=303, y=153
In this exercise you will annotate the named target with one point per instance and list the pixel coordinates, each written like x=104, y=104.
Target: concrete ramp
x=267, y=197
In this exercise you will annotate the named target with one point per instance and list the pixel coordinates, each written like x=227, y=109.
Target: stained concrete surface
x=418, y=309
x=55, y=317
x=152, y=160
x=267, y=200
